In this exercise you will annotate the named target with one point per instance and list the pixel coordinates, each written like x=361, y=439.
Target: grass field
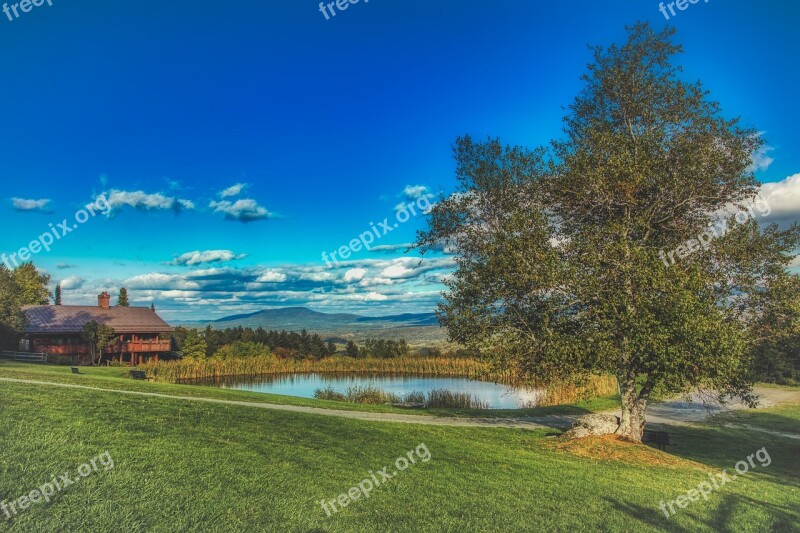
x=189, y=466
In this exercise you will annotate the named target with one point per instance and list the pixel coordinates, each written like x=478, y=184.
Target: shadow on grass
x=720, y=518
x=722, y=448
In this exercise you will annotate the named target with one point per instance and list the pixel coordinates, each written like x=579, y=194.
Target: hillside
x=414, y=327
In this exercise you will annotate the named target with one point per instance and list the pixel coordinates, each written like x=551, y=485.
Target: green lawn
x=190, y=466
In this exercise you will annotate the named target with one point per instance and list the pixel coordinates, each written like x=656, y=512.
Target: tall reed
x=371, y=395
x=197, y=369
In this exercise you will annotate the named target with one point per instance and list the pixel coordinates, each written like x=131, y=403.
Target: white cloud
x=397, y=272
x=216, y=291
x=208, y=256
x=413, y=192
x=783, y=198
x=143, y=201
x=271, y=276
x=159, y=281
x=376, y=297
x=22, y=204
x=316, y=276
x=243, y=210
x=233, y=190
x=72, y=283
x=760, y=160
x=355, y=274
x=391, y=247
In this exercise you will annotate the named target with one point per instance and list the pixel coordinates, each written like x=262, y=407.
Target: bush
x=329, y=394
x=454, y=400
x=65, y=360
x=374, y=396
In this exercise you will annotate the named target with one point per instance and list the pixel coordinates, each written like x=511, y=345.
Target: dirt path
x=691, y=409
x=673, y=412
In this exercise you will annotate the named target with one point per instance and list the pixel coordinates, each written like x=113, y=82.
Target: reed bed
x=454, y=400
x=190, y=370
x=567, y=393
x=371, y=395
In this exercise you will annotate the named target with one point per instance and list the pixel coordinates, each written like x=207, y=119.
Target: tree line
x=244, y=342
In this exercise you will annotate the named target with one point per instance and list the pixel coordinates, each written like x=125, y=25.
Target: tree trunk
x=633, y=408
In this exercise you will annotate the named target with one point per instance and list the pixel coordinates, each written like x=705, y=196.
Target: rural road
x=673, y=412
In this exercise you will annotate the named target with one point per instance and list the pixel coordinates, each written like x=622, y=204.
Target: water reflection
x=303, y=385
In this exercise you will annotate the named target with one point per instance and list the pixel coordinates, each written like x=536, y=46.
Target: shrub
x=454, y=400
x=329, y=394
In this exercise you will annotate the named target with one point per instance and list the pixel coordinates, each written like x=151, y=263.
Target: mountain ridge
x=412, y=325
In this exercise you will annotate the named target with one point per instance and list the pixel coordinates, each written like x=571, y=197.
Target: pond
x=303, y=385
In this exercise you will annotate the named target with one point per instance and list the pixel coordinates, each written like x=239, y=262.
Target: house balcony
x=156, y=345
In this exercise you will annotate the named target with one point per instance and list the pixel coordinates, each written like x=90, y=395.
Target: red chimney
x=103, y=300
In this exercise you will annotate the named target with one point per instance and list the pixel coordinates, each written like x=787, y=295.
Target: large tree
x=32, y=284
x=19, y=287
x=559, y=251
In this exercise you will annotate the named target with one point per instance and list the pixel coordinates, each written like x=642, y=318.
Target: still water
x=304, y=385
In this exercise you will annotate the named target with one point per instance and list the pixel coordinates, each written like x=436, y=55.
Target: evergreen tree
x=351, y=350
x=194, y=345
x=58, y=294
x=122, y=300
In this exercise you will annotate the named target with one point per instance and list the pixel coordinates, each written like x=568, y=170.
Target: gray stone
x=593, y=425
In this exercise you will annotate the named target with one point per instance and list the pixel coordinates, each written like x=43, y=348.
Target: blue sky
x=260, y=134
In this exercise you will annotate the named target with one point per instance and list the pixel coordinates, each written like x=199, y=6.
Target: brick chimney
x=103, y=300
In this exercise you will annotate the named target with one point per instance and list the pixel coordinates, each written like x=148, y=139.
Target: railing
x=63, y=349
x=26, y=356
x=159, y=345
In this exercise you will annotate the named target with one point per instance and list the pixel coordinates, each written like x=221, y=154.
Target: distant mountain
x=412, y=326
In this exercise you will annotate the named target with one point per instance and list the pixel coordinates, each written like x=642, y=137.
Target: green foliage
x=383, y=349
x=98, y=337
x=192, y=345
x=243, y=349
x=58, y=295
x=33, y=286
x=351, y=350
x=288, y=344
x=19, y=287
x=559, y=274
x=776, y=332
x=122, y=299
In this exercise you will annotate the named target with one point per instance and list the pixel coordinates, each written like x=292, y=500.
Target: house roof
x=72, y=318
